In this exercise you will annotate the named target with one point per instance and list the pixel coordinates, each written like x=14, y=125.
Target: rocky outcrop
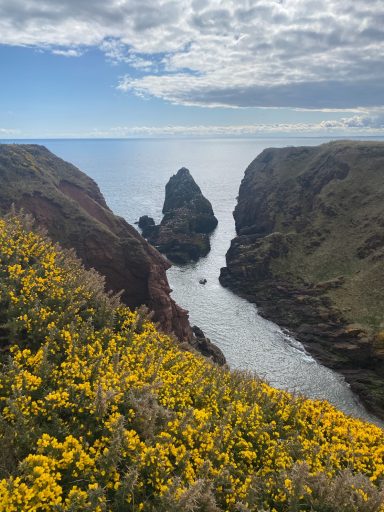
x=147, y=225
x=188, y=218
x=310, y=253
x=71, y=207
x=204, y=345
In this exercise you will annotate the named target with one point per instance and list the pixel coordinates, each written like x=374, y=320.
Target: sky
x=159, y=68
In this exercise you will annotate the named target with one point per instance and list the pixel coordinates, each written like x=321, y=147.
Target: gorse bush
x=101, y=412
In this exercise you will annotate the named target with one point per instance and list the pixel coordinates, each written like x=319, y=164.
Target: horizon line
x=197, y=137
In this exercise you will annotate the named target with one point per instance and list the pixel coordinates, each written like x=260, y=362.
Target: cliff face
x=71, y=207
x=310, y=253
x=188, y=219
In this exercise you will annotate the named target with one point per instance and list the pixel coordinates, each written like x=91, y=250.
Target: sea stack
x=183, y=234
x=310, y=252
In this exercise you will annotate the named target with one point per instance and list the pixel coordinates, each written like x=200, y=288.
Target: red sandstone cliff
x=71, y=207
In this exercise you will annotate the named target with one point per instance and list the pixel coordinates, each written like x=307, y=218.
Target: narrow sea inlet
x=132, y=175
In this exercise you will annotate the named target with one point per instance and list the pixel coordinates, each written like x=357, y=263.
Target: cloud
x=198, y=91
x=364, y=124
x=70, y=52
x=9, y=131
x=116, y=51
x=234, y=53
x=357, y=125
x=371, y=122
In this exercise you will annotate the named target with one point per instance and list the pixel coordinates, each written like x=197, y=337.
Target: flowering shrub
x=101, y=412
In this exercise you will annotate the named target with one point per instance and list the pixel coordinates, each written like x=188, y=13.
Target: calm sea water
x=132, y=175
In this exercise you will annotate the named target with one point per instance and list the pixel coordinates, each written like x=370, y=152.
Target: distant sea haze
x=132, y=174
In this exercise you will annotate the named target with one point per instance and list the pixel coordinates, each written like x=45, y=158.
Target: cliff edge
x=71, y=207
x=310, y=252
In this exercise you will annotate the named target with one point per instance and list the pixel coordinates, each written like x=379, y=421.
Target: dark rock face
x=310, y=253
x=206, y=347
x=188, y=219
x=71, y=207
x=147, y=225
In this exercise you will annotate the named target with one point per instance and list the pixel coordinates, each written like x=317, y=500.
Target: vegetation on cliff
x=310, y=253
x=71, y=207
x=99, y=411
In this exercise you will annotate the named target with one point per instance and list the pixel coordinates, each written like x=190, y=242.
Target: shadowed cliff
x=310, y=253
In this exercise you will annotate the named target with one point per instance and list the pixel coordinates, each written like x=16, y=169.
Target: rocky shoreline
x=307, y=314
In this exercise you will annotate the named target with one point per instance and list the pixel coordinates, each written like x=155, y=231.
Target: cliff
x=310, y=253
x=71, y=207
x=188, y=219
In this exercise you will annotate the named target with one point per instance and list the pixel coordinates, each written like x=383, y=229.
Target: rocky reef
x=309, y=252
x=188, y=219
x=72, y=209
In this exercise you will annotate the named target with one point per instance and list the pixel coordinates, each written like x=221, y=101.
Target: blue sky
x=191, y=67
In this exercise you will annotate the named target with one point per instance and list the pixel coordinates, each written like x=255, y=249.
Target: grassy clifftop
x=101, y=412
x=327, y=201
x=310, y=253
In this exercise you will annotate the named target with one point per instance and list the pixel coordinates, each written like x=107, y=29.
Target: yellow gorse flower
x=100, y=411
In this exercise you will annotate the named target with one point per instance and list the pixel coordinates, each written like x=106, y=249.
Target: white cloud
x=9, y=131
x=371, y=121
x=238, y=53
x=364, y=124
x=116, y=51
x=349, y=126
x=70, y=52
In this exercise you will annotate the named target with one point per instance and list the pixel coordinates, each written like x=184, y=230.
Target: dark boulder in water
x=147, y=225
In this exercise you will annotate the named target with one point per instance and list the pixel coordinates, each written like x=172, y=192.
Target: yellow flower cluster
x=101, y=412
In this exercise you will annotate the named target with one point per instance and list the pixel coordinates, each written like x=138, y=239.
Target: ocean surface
x=132, y=175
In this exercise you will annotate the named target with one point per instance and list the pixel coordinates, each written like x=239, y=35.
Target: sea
x=132, y=174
